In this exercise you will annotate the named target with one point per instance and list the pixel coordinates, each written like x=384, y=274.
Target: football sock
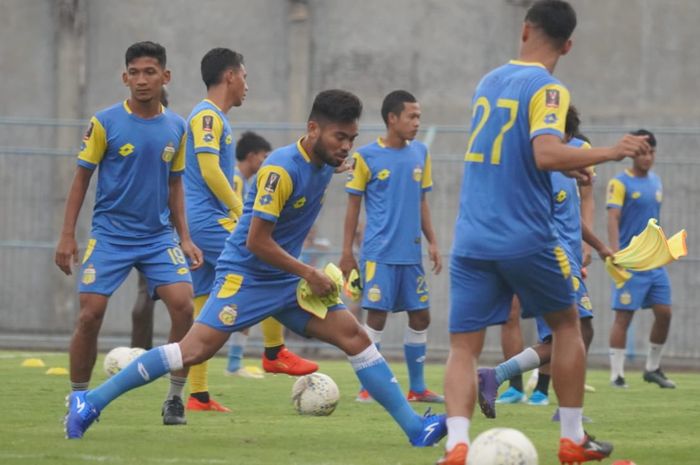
x=199, y=374
x=271, y=352
x=517, y=365
x=516, y=382
x=177, y=387
x=272, y=333
x=376, y=337
x=414, y=349
x=376, y=376
x=654, y=356
x=79, y=386
x=235, y=351
x=571, y=423
x=617, y=363
x=457, y=431
x=543, y=383
x=146, y=368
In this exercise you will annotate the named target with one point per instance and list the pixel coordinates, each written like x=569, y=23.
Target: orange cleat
x=425, y=396
x=211, y=406
x=589, y=449
x=363, y=396
x=290, y=363
x=456, y=456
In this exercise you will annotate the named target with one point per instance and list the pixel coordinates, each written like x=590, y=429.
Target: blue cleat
x=511, y=396
x=538, y=398
x=434, y=429
x=488, y=389
x=80, y=415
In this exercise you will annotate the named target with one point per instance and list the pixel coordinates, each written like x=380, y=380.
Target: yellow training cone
x=33, y=363
x=57, y=371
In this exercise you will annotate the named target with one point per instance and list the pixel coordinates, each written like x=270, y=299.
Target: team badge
x=207, y=123
x=417, y=173
x=561, y=196
x=551, y=118
x=88, y=132
x=586, y=303
x=168, y=153
x=659, y=196
x=89, y=275
x=227, y=315
x=625, y=298
x=374, y=294
x=300, y=203
x=383, y=174
x=552, y=98
x=271, y=183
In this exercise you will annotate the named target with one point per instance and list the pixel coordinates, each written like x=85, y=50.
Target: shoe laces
x=175, y=406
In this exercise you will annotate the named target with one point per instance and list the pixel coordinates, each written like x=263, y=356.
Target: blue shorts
x=394, y=288
x=583, y=303
x=644, y=289
x=106, y=266
x=481, y=291
x=239, y=301
x=211, y=240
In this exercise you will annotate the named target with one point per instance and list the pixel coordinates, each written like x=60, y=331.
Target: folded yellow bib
x=647, y=251
x=318, y=306
x=353, y=286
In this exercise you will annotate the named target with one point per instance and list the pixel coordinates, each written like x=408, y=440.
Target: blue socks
x=414, y=349
x=235, y=355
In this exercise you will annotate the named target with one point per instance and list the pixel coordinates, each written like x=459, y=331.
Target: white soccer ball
x=315, y=394
x=119, y=357
x=502, y=446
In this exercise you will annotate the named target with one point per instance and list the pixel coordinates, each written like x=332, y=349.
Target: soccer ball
x=502, y=446
x=119, y=357
x=315, y=394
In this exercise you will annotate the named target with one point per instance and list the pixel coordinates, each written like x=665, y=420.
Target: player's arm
x=176, y=204
x=67, y=247
x=355, y=186
x=615, y=201
x=426, y=222
x=591, y=239
x=587, y=218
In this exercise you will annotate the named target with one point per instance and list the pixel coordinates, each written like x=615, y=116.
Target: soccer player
x=258, y=273
x=505, y=241
x=571, y=231
x=393, y=174
x=634, y=196
x=139, y=147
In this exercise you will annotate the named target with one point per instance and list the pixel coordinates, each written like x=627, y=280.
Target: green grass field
x=648, y=425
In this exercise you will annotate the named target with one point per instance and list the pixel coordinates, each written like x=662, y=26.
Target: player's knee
x=419, y=321
x=90, y=320
x=352, y=339
x=376, y=319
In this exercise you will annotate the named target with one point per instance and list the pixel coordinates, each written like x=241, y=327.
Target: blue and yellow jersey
x=208, y=131
x=639, y=198
x=392, y=182
x=567, y=210
x=136, y=158
x=289, y=192
x=240, y=185
x=506, y=202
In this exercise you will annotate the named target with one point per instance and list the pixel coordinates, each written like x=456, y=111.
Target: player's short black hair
x=555, y=17
x=573, y=121
x=644, y=132
x=394, y=103
x=216, y=61
x=146, y=49
x=251, y=142
x=336, y=106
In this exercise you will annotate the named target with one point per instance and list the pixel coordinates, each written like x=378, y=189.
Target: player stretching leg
x=258, y=273
x=505, y=241
x=139, y=147
x=394, y=175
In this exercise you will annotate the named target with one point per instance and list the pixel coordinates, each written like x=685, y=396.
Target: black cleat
x=619, y=382
x=657, y=376
x=174, y=412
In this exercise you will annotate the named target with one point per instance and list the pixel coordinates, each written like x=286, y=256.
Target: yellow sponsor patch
x=229, y=139
x=561, y=196
x=126, y=150
x=300, y=203
x=183, y=271
x=636, y=195
x=383, y=174
x=227, y=315
x=424, y=298
x=89, y=275
x=625, y=298
x=576, y=283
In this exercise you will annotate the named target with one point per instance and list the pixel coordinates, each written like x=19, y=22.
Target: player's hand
x=583, y=176
x=192, y=252
x=66, y=253
x=605, y=252
x=347, y=264
x=435, y=258
x=587, y=259
x=321, y=285
x=630, y=146
x=347, y=165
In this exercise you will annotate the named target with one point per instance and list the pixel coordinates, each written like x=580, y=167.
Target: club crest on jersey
x=88, y=132
x=374, y=294
x=168, y=152
x=586, y=303
x=207, y=123
x=89, y=275
x=552, y=98
x=659, y=196
x=271, y=183
x=227, y=315
x=636, y=195
x=417, y=173
x=625, y=298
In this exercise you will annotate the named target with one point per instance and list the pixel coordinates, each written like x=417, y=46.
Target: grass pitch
x=648, y=425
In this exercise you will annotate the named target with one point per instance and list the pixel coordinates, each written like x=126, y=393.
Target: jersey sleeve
x=274, y=188
x=238, y=185
x=207, y=129
x=547, y=110
x=616, y=194
x=94, y=145
x=359, y=176
x=427, y=182
x=178, y=166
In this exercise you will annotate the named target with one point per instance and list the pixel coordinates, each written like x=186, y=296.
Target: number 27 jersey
x=506, y=203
